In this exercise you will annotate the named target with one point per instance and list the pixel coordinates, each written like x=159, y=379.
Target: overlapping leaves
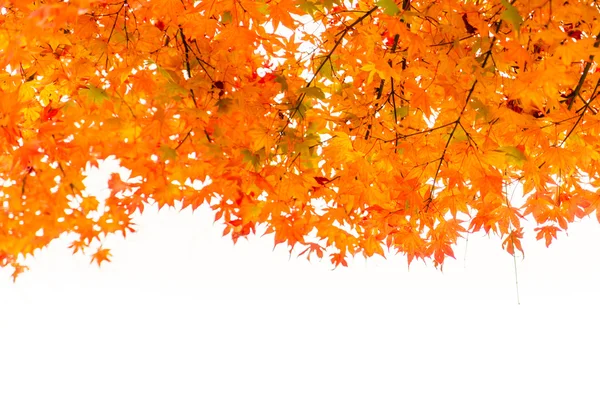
x=343, y=127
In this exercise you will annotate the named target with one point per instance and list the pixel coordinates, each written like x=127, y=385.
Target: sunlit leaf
x=511, y=14
x=167, y=153
x=389, y=6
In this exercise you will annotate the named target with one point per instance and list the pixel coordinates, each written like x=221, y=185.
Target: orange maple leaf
x=100, y=256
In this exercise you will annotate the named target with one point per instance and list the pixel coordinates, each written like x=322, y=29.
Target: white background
x=182, y=313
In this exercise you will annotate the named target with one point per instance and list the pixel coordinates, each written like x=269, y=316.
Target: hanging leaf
x=511, y=15
x=313, y=92
x=226, y=17
x=95, y=94
x=389, y=7
x=282, y=81
x=401, y=112
x=167, y=153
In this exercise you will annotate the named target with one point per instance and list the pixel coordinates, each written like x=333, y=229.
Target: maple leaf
x=77, y=245
x=313, y=92
x=389, y=6
x=513, y=241
x=168, y=153
x=548, y=233
x=339, y=259
x=100, y=256
x=313, y=247
x=18, y=269
x=48, y=113
x=95, y=94
x=511, y=14
x=115, y=184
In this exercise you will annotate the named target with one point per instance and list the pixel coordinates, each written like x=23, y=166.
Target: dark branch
x=581, y=114
x=326, y=59
x=588, y=65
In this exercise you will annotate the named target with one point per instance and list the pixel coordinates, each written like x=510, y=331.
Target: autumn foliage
x=344, y=127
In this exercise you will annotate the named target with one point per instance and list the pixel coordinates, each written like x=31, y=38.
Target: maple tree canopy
x=344, y=127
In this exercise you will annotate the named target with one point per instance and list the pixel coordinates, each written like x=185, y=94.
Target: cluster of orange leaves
x=344, y=127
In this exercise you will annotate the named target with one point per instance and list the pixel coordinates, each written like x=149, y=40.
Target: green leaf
x=224, y=105
x=175, y=89
x=283, y=148
x=96, y=95
x=401, y=112
x=307, y=6
x=327, y=70
x=482, y=110
x=460, y=135
x=226, y=17
x=167, y=73
x=389, y=7
x=302, y=108
x=511, y=14
x=513, y=154
x=327, y=3
x=167, y=153
x=312, y=140
x=252, y=158
x=282, y=81
x=313, y=92
x=263, y=8
x=302, y=148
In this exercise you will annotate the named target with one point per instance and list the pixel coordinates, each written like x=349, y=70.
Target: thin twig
x=586, y=69
x=186, y=47
x=184, y=139
x=516, y=275
x=460, y=115
x=325, y=60
x=581, y=114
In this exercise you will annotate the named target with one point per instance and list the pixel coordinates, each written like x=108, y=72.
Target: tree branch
x=581, y=114
x=460, y=115
x=326, y=59
x=586, y=69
